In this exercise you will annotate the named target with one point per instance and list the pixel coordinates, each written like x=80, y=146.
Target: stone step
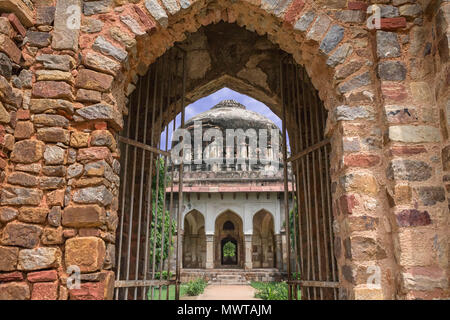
x=229, y=276
x=237, y=283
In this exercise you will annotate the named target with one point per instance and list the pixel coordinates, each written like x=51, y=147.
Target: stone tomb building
x=227, y=199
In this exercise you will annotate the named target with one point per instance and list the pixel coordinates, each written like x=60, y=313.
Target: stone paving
x=228, y=292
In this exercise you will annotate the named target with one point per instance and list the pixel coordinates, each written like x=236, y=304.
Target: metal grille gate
x=148, y=244
x=312, y=267
x=147, y=186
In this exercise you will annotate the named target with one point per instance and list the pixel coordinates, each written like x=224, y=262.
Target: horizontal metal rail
x=318, y=284
x=308, y=150
x=142, y=283
x=144, y=146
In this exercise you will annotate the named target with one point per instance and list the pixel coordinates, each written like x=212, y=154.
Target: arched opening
x=228, y=226
x=194, y=240
x=233, y=233
x=261, y=69
x=263, y=241
x=229, y=251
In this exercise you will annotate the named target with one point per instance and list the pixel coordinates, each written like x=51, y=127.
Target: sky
x=210, y=101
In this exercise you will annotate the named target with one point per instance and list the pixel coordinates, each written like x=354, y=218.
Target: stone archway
x=194, y=240
x=386, y=217
x=228, y=228
x=263, y=241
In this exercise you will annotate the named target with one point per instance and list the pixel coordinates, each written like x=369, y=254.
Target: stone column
x=181, y=247
x=194, y=248
x=279, y=252
x=415, y=102
x=209, y=251
x=248, y=251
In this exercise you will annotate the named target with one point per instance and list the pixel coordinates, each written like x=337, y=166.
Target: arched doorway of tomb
x=263, y=240
x=194, y=241
x=228, y=229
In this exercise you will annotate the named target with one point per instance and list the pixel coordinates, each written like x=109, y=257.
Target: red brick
x=11, y=276
x=393, y=23
x=69, y=233
x=361, y=160
x=52, y=89
x=45, y=291
x=89, y=232
x=431, y=271
x=23, y=114
x=394, y=92
x=294, y=10
x=15, y=22
x=93, y=80
x=9, y=47
x=146, y=21
x=88, y=291
x=407, y=150
x=93, y=153
x=14, y=291
x=43, y=276
x=357, y=5
x=347, y=203
x=413, y=218
x=427, y=295
x=55, y=198
x=101, y=125
x=24, y=130
x=82, y=216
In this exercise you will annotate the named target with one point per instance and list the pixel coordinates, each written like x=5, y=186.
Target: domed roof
x=230, y=114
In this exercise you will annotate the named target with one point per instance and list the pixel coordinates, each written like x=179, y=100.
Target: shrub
x=271, y=290
x=229, y=249
x=165, y=275
x=196, y=287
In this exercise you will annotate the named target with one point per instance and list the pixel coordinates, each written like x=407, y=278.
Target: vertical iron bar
x=291, y=107
x=133, y=185
x=122, y=213
x=155, y=220
x=141, y=185
x=300, y=147
x=171, y=209
x=180, y=186
x=149, y=214
x=329, y=207
x=310, y=260
x=314, y=140
x=300, y=139
x=317, y=105
x=302, y=159
x=165, y=179
x=285, y=177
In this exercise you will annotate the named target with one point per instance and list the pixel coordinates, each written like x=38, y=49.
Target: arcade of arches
x=228, y=227
x=65, y=92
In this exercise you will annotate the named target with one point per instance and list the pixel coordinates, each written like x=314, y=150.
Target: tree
x=229, y=249
x=156, y=236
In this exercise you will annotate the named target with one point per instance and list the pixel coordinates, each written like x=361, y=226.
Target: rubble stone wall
x=63, y=91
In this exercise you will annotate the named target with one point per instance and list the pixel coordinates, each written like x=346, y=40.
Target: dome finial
x=228, y=104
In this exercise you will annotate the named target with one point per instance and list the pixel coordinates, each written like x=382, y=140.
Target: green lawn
x=272, y=290
x=183, y=288
x=192, y=288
